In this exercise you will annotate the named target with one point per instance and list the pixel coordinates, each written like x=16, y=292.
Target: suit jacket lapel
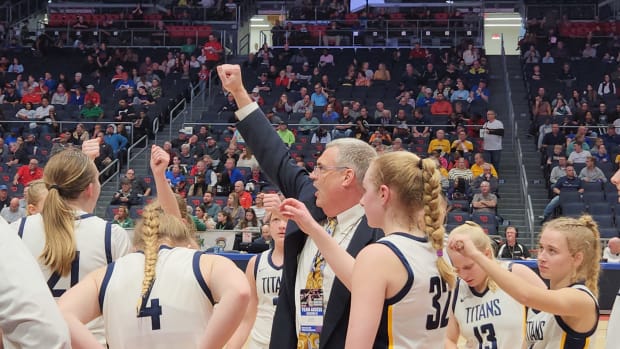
x=340, y=297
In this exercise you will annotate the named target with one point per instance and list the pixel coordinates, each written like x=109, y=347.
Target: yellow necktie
x=315, y=281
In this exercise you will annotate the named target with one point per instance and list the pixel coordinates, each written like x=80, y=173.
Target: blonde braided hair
x=417, y=183
x=150, y=239
x=434, y=217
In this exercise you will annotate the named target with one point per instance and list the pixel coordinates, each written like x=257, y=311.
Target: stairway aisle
x=139, y=164
x=510, y=204
x=531, y=156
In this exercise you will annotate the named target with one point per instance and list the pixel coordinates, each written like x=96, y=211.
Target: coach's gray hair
x=355, y=154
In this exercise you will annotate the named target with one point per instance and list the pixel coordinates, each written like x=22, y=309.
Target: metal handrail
x=409, y=30
x=17, y=11
x=516, y=143
x=130, y=158
x=530, y=211
x=63, y=122
x=174, y=114
x=112, y=176
x=322, y=124
x=193, y=95
x=244, y=45
x=134, y=34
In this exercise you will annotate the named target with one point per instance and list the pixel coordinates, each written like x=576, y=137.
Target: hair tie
x=420, y=165
x=440, y=253
x=54, y=186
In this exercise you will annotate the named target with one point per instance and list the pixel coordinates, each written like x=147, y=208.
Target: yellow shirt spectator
x=477, y=170
x=458, y=145
x=442, y=144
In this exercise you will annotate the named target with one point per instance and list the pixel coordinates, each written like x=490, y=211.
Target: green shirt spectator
x=200, y=225
x=127, y=223
x=287, y=135
x=91, y=111
x=122, y=218
x=189, y=47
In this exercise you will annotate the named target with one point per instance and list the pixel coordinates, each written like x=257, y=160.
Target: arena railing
x=151, y=37
x=515, y=142
x=577, y=10
x=110, y=173
x=151, y=31
x=179, y=109
x=137, y=148
x=329, y=125
x=62, y=125
x=151, y=12
x=195, y=94
x=394, y=33
x=16, y=11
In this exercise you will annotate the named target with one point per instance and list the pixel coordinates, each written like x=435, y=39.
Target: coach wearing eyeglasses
x=333, y=190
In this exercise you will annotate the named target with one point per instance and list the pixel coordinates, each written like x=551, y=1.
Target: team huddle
x=358, y=261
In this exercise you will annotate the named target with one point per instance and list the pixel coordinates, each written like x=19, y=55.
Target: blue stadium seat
x=457, y=217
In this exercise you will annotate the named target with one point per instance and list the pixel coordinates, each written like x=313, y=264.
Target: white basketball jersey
x=491, y=319
x=417, y=316
x=98, y=244
x=177, y=309
x=546, y=331
x=267, y=276
x=613, y=327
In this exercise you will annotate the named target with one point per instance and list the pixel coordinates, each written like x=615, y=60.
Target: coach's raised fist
x=230, y=75
x=91, y=148
x=159, y=160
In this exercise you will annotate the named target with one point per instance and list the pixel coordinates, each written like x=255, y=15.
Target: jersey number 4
x=438, y=287
x=75, y=277
x=154, y=312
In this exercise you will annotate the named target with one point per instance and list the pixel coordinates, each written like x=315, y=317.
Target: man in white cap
x=257, y=97
x=92, y=95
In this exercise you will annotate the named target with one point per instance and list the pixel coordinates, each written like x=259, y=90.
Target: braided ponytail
x=433, y=217
x=150, y=244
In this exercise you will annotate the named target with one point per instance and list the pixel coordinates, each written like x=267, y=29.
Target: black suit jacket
x=294, y=182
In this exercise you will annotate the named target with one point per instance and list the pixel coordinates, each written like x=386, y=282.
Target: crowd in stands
x=572, y=79
x=425, y=101
x=112, y=95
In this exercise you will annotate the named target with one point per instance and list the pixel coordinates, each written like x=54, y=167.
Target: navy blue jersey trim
x=270, y=261
x=256, y=264
x=104, y=284
x=22, y=225
x=455, y=294
x=574, y=335
x=199, y=278
x=108, y=242
x=407, y=287
x=412, y=237
x=479, y=294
